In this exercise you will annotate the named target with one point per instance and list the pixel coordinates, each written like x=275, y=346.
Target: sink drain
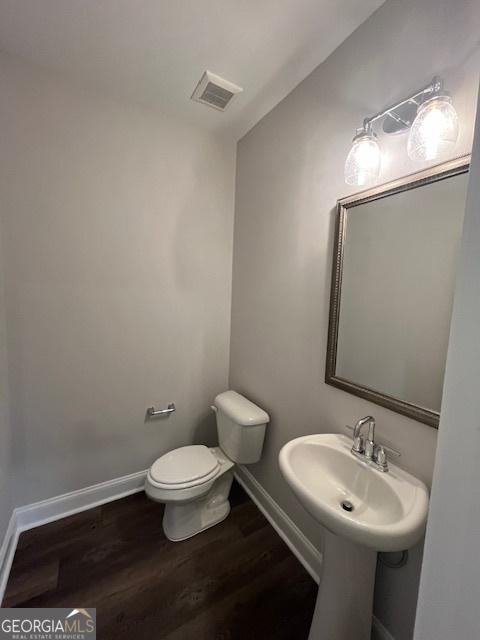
x=347, y=505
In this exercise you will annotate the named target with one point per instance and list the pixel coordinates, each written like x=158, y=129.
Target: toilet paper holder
x=154, y=413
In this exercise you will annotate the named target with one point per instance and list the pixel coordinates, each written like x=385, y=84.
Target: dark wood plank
x=237, y=580
x=30, y=581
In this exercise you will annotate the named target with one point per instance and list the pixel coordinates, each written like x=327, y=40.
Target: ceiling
x=153, y=52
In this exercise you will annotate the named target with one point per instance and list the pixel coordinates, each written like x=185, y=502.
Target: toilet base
x=184, y=520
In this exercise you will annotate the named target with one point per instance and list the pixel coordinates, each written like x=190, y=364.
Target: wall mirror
x=393, y=279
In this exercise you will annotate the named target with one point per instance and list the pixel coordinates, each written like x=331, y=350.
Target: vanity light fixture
x=431, y=119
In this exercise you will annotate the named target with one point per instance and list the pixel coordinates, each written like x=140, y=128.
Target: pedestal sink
x=363, y=511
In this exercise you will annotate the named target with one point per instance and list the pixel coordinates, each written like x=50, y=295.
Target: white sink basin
x=389, y=509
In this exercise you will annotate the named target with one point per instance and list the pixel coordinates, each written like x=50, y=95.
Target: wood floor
x=236, y=581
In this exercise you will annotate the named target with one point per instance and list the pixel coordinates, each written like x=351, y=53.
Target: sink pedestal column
x=345, y=597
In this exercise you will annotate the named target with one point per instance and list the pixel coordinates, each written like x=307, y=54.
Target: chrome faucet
x=359, y=445
x=365, y=448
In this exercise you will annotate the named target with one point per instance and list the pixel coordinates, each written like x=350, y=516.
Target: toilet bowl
x=194, y=481
x=194, y=500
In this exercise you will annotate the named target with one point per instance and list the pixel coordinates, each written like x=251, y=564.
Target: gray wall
x=6, y=483
x=289, y=176
x=118, y=231
x=450, y=587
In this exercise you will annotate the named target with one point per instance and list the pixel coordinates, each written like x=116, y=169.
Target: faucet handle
x=358, y=444
x=381, y=458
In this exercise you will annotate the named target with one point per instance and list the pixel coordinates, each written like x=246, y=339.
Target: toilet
x=194, y=481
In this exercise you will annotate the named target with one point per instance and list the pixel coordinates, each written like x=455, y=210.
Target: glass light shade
x=434, y=131
x=363, y=162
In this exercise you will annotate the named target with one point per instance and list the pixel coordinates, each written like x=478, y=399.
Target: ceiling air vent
x=215, y=91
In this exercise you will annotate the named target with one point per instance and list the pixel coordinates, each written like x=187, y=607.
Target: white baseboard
x=7, y=551
x=299, y=544
x=38, y=513
x=45, y=511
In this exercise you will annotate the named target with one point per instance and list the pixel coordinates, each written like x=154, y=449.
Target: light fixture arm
x=434, y=87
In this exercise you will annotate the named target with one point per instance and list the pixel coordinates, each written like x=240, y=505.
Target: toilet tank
x=241, y=427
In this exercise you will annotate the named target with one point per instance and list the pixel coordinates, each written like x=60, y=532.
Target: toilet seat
x=184, y=468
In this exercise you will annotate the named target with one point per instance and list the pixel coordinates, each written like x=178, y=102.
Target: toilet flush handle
x=213, y=408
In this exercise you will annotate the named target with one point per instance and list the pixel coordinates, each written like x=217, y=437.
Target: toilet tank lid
x=240, y=410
